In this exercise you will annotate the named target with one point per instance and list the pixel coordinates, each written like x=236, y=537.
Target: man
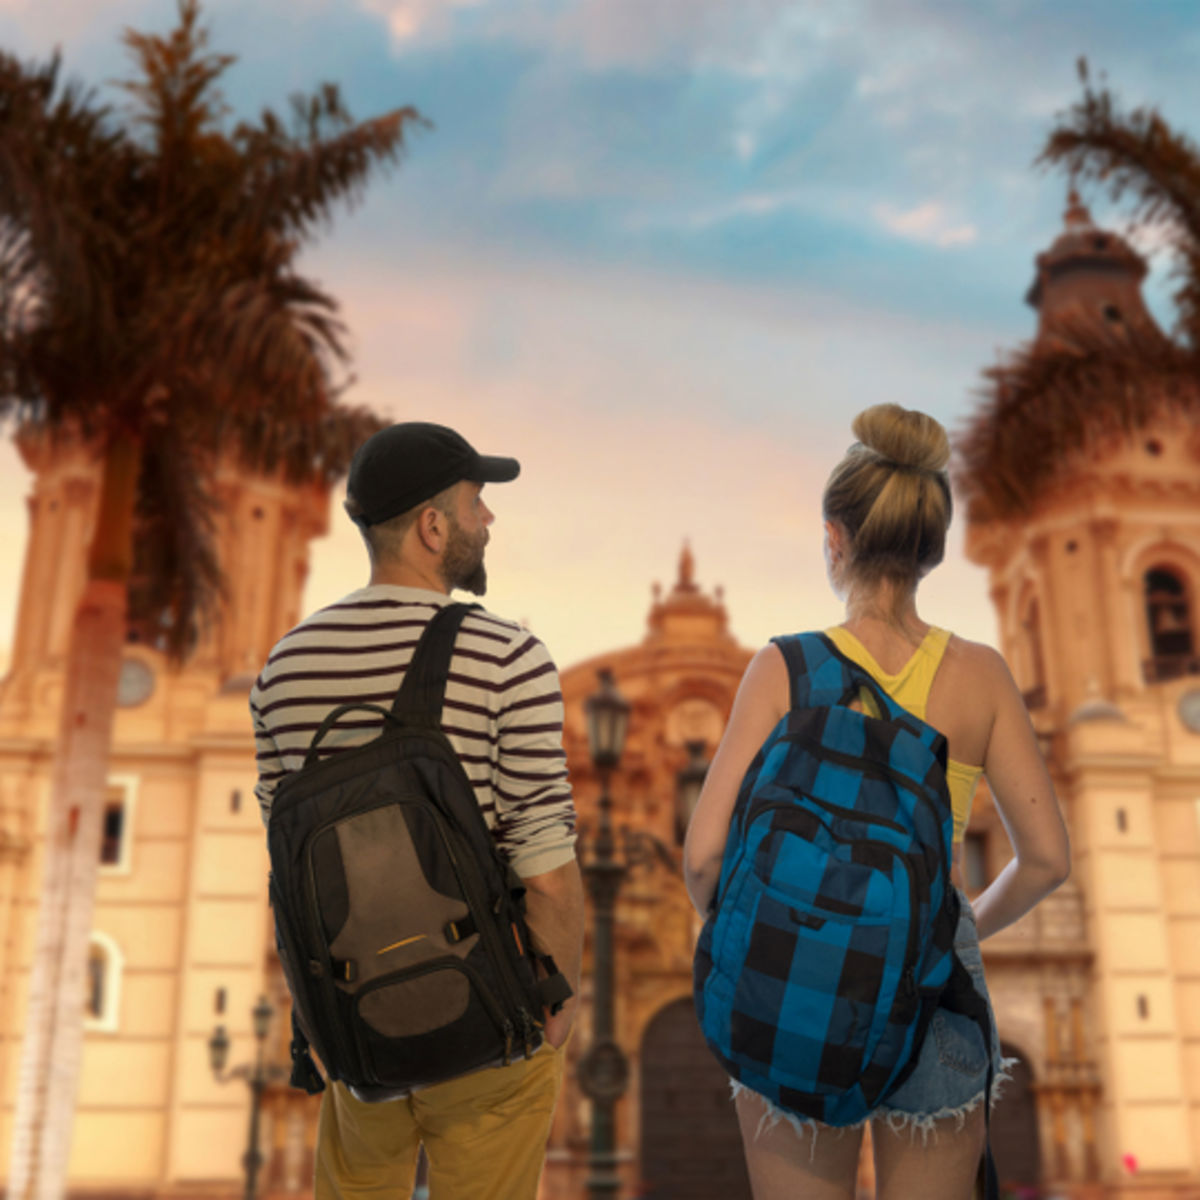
x=414, y=490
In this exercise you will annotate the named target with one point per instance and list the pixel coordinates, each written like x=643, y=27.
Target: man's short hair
x=384, y=539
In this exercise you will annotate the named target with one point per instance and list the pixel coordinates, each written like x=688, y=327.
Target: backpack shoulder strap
x=805, y=655
x=822, y=676
x=419, y=700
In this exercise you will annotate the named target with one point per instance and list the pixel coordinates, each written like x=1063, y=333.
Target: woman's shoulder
x=976, y=665
x=979, y=655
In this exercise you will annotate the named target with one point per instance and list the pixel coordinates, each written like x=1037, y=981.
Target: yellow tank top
x=909, y=687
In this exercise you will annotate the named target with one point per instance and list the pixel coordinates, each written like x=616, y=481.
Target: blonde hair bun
x=903, y=436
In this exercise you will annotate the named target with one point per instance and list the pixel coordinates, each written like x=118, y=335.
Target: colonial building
x=1096, y=587
x=1097, y=991
x=181, y=920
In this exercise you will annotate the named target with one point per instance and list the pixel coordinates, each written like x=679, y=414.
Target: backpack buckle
x=345, y=969
x=458, y=931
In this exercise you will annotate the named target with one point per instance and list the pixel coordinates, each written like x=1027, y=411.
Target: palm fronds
x=1139, y=154
x=1039, y=410
x=1054, y=399
x=149, y=271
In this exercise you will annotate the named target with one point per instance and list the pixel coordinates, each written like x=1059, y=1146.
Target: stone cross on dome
x=1077, y=215
x=687, y=570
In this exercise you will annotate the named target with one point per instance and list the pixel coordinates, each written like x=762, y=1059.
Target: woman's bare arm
x=1025, y=800
x=762, y=699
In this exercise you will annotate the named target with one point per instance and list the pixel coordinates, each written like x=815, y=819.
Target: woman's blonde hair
x=891, y=494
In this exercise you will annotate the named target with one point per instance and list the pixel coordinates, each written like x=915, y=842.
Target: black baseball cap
x=402, y=465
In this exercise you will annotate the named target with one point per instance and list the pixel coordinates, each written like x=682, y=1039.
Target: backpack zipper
x=838, y=810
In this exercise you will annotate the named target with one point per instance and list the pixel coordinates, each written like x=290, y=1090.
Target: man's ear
x=431, y=527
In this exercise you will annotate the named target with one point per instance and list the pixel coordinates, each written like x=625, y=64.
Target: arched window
x=102, y=986
x=1169, y=624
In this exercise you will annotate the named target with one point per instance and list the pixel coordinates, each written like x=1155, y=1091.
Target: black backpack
x=400, y=926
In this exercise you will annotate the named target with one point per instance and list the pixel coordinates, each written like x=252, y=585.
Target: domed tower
x=1089, y=277
x=1095, y=575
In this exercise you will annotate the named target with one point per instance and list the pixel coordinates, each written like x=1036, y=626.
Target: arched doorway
x=690, y=1145
x=1014, y=1126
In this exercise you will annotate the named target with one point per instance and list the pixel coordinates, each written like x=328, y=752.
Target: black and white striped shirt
x=503, y=710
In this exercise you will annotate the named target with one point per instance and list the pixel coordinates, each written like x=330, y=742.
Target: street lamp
x=257, y=1077
x=604, y=1070
x=607, y=723
x=689, y=782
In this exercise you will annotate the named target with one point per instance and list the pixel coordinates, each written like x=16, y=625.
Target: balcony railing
x=1170, y=666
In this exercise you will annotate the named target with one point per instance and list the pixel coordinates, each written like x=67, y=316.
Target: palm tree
x=149, y=307
x=1042, y=405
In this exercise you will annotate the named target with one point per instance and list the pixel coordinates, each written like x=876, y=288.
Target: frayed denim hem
x=896, y=1119
x=773, y=1114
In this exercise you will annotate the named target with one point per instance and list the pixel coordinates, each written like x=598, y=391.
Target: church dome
x=1083, y=247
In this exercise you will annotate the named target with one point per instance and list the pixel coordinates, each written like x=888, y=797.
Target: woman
x=887, y=507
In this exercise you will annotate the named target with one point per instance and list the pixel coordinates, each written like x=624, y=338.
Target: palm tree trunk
x=53, y=1041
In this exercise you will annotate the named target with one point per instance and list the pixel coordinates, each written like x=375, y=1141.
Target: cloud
x=927, y=222
x=39, y=25
x=408, y=20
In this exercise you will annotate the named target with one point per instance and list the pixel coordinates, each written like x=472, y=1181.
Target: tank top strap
x=924, y=667
x=909, y=686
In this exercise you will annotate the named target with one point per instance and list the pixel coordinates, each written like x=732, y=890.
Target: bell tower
x=1088, y=277
x=1096, y=585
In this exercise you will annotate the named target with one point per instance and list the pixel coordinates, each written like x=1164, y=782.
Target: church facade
x=1097, y=992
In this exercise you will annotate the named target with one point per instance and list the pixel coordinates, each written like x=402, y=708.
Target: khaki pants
x=484, y=1135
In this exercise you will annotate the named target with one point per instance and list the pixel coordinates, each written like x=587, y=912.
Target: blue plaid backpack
x=830, y=943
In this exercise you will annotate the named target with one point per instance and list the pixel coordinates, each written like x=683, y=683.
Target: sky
x=662, y=251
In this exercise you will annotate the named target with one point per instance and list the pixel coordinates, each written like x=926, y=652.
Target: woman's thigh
x=938, y=1163
x=786, y=1160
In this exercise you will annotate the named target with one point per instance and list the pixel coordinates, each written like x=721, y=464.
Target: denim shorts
x=951, y=1072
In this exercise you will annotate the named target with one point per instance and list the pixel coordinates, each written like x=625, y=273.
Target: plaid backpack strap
x=816, y=671
x=823, y=677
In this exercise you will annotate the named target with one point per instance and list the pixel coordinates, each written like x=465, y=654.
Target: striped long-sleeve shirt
x=502, y=713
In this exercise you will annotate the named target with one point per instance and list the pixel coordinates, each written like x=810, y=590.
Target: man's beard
x=462, y=566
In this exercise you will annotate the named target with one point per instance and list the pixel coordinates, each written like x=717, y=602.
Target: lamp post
x=604, y=1069
x=257, y=1077
x=689, y=783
